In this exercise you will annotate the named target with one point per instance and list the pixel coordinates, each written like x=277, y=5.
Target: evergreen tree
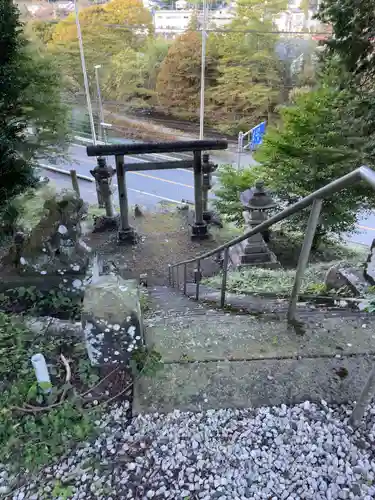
x=322, y=137
x=29, y=101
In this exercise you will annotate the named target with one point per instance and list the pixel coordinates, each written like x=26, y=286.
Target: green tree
x=154, y=53
x=323, y=136
x=42, y=30
x=247, y=88
x=125, y=78
x=178, y=82
x=352, y=46
x=131, y=75
x=106, y=29
x=30, y=100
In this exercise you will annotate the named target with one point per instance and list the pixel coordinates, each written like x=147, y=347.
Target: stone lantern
x=256, y=201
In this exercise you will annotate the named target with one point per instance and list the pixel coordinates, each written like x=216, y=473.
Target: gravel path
x=301, y=452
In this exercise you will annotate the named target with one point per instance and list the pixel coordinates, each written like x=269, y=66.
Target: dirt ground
x=164, y=239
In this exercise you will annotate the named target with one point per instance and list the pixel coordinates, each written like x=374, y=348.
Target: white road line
x=86, y=178
x=130, y=157
x=161, y=179
x=154, y=195
x=167, y=157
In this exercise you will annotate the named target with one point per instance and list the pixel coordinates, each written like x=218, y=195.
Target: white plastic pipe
x=41, y=372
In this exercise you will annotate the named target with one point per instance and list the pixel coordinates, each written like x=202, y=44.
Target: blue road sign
x=257, y=134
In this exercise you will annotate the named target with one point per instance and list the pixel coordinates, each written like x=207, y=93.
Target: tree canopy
x=106, y=29
x=352, y=46
x=247, y=86
x=33, y=120
x=178, y=82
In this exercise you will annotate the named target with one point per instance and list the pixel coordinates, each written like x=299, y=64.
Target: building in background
x=173, y=21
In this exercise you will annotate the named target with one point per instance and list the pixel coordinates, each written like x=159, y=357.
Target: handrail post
x=177, y=277
x=170, y=275
x=199, y=228
x=304, y=258
x=185, y=278
x=197, y=274
x=225, y=274
x=125, y=233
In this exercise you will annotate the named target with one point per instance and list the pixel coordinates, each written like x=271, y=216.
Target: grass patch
x=258, y=281
x=37, y=428
x=144, y=300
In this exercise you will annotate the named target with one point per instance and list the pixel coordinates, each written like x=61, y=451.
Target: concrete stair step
x=167, y=301
x=222, y=336
x=215, y=359
x=244, y=384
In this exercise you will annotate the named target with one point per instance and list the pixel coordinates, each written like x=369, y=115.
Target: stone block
x=55, y=246
x=369, y=272
x=112, y=320
x=256, y=248
x=340, y=276
x=255, y=258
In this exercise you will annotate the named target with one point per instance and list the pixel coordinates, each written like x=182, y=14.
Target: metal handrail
x=360, y=174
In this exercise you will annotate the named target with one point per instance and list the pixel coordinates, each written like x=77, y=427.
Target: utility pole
x=101, y=163
x=203, y=70
x=101, y=130
x=84, y=71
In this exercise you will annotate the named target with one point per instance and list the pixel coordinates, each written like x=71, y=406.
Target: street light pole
x=101, y=129
x=203, y=70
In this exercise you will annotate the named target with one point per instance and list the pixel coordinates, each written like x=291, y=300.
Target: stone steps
x=247, y=384
x=215, y=359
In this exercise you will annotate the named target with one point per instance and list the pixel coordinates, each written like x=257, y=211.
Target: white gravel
x=301, y=452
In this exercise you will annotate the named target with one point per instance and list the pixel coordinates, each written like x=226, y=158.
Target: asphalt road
x=149, y=187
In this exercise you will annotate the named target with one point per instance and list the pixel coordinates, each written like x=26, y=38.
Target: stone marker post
x=112, y=320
